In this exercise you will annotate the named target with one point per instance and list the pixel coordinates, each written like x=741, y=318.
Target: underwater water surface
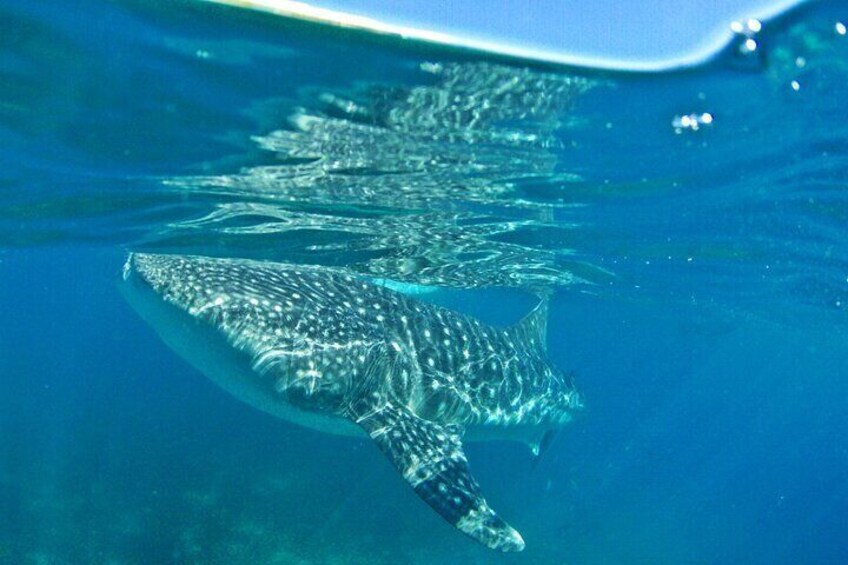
x=690, y=227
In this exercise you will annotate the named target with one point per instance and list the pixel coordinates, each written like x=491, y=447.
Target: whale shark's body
x=331, y=351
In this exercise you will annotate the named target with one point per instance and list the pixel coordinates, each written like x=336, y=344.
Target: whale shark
x=329, y=350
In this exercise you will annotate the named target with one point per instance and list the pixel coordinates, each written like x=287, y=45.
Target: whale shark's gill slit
x=430, y=458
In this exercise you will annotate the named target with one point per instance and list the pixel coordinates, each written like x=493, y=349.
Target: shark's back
x=327, y=329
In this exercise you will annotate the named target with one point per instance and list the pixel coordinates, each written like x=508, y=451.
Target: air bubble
x=691, y=122
x=748, y=51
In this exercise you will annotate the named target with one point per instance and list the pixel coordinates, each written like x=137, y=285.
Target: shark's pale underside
x=334, y=352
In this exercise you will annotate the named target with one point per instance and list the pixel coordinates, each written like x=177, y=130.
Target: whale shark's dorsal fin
x=533, y=328
x=430, y=458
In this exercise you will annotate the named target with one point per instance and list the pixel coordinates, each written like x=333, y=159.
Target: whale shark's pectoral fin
x=430, y=458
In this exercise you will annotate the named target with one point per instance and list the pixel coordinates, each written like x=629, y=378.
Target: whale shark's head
x=175, y=299
x=252, y=327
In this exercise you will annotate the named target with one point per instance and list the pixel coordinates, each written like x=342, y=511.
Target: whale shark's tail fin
x=430, y=458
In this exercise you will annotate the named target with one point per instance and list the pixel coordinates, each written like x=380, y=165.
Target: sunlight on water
x=688, y=226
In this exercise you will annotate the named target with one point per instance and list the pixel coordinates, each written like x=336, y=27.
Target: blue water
x=699, y=280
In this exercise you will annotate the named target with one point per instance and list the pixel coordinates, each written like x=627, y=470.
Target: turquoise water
x=691, y=227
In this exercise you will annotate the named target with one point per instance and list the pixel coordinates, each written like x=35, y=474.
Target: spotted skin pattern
x=413, y=376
